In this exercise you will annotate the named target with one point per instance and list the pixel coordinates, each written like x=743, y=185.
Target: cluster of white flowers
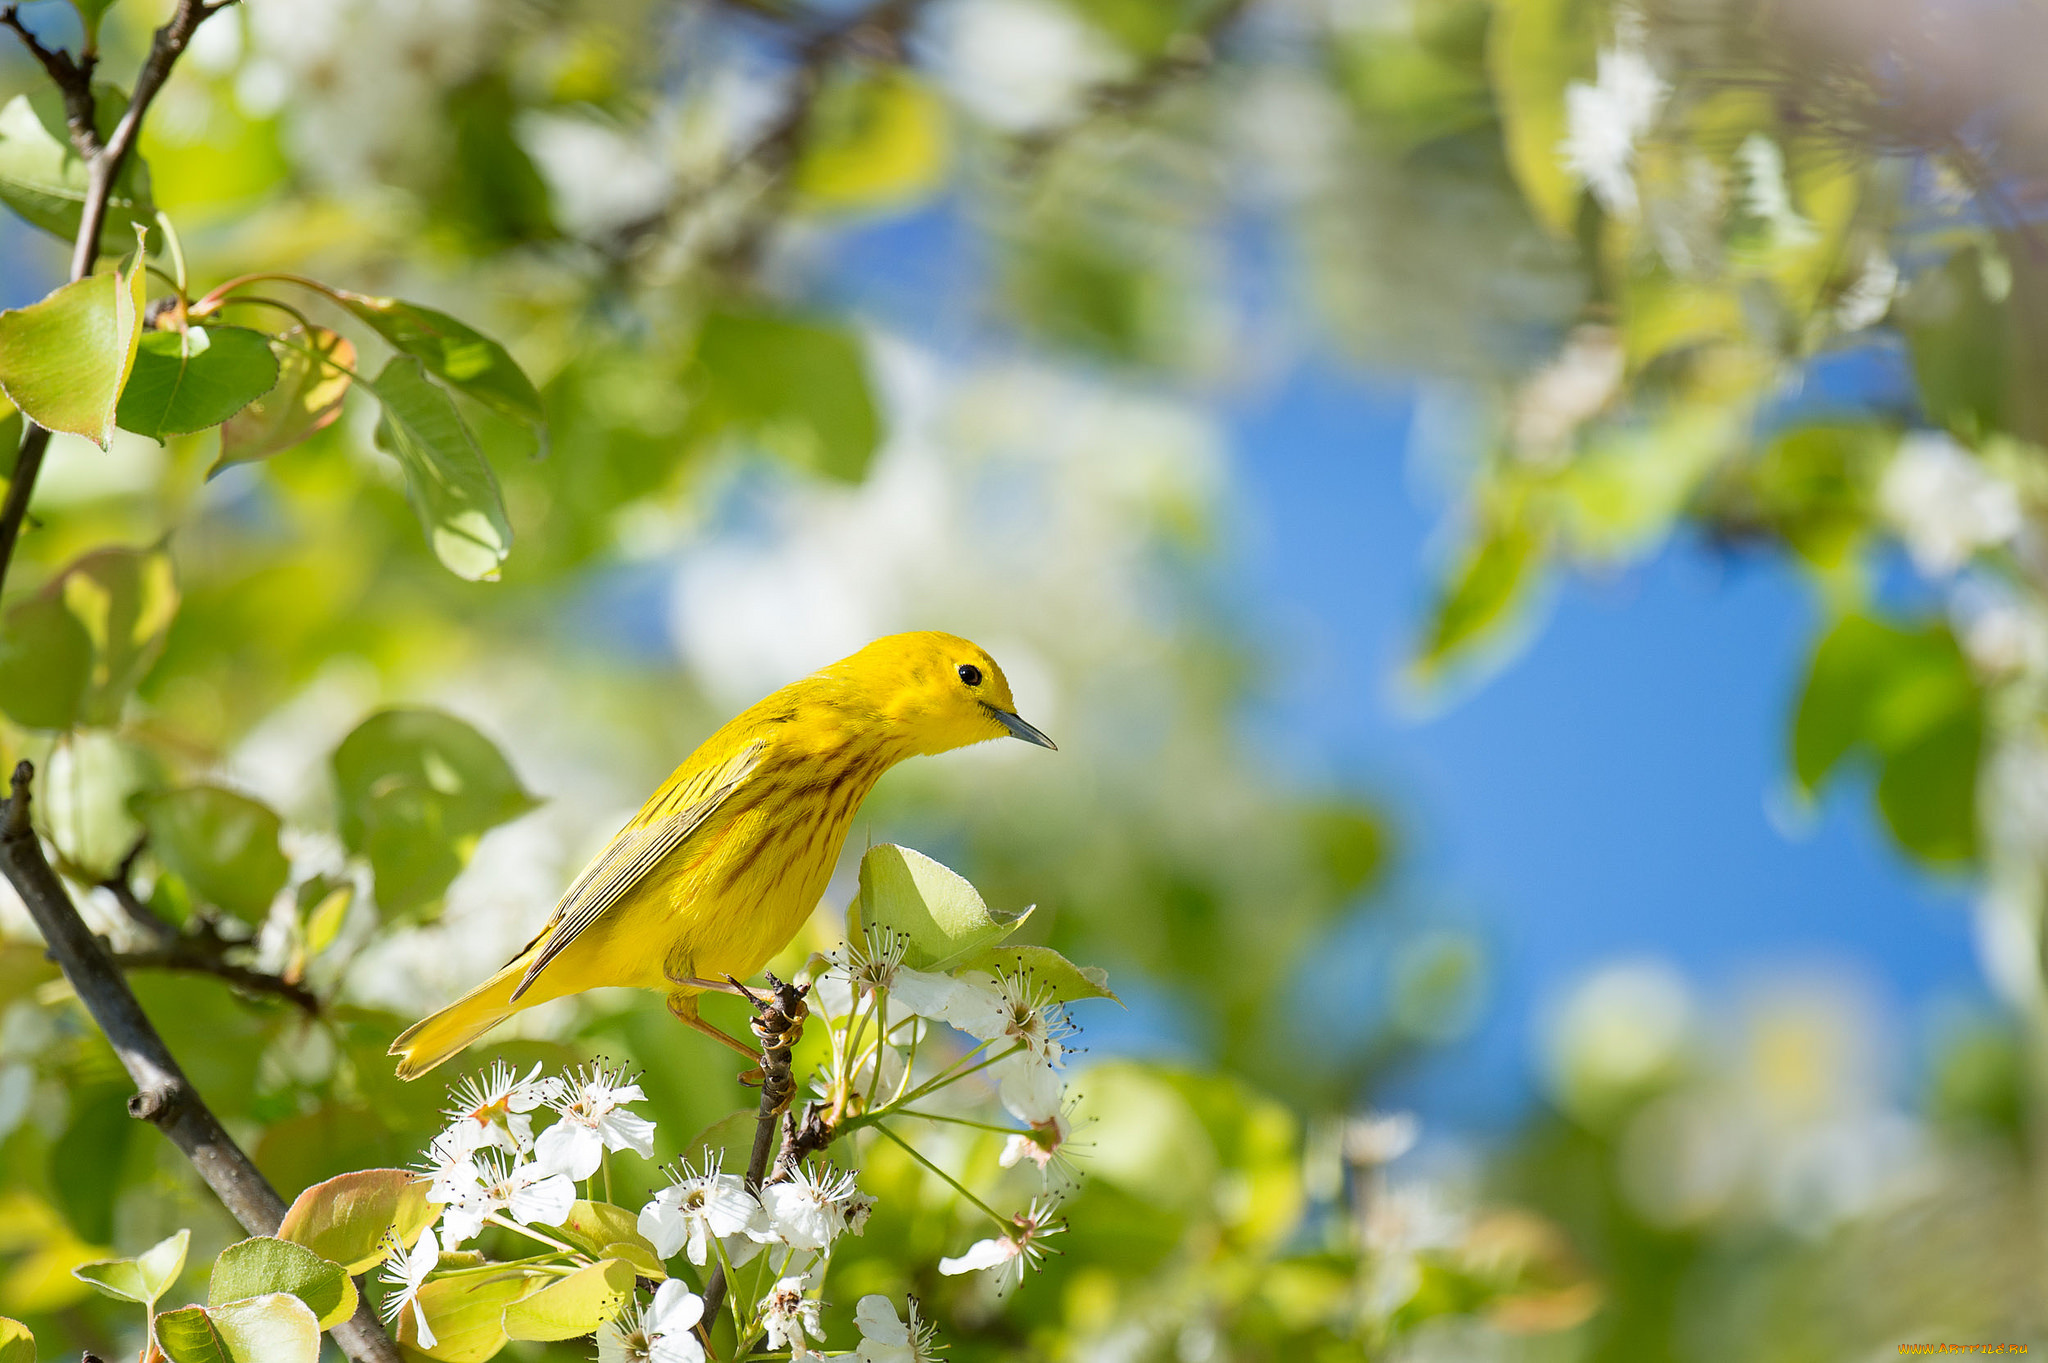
x=700, y=1211
x=1945, y=503
x=488, y=1161
x=1605, y=120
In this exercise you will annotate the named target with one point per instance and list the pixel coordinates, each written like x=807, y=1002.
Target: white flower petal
x=981, y=1254
x=569, y=1148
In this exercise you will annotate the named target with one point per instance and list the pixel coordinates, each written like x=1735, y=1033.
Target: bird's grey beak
x=1019, y=729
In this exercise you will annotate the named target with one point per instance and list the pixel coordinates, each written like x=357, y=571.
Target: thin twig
x=180, y=956
x=73, y=80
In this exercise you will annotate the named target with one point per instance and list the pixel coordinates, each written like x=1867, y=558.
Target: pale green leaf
x=1052, y=977
x=454, y=352
x=466, y=1315
x=17, y=1345
x=265, y=1264
x=344, y=1219
x=43, y=178
x=125, y=599
x=63, y=360
x=276, y=1328
x=572, y=1307
x=447, y=480
x=941, y=915
x=143, y=1278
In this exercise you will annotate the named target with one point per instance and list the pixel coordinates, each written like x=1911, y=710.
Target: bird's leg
x=728, y=985
x=686, y=1011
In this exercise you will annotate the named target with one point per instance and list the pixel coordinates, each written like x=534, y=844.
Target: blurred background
x=1523, y=517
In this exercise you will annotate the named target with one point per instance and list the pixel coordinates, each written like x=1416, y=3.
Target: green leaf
x=186, y=381
x=344, y=1220
x=447, y=480
x=265, y=1264
x=90, y=12
x=45, y=664
x=324, y=905
x=1961, y=342
x=942, y=915
x=17, y=1345
x=1060, y=978
x=1535, y=50
x=1905, y=697
x=572, y=1307
x=1483, y=598
x=306, y=400
x=125, y=599
x=603, y=1230
x=798, y=388
x=466, y=1315
x=63, y=360
x=277, y=1328
x=143, y=1278
x=454, y=352
x=43, y=178
x=224, y=845
x=874, y=139
x=417, y=789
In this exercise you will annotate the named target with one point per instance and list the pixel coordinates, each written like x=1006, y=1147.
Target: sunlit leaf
x=447, y=480
x=143, y=1278
x=1484, y=595
x=1052, y=976
x=875, y=138
x=1535, y=50
x=572, y=1307
x=186, y=381
x=466, y=1316
x=306, y=400
x=454, y=352
x=942, y=915
x=799, y=388
x=276, y=1328
x=324, y=904
x=63, y=360
x=265, y=1264
x=125, y=599
x=417, y=789
x=17, y=1345
x=223, y=844
x=43, y=178
x=344, y=1220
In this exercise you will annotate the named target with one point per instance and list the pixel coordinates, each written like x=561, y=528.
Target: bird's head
x=942, y=691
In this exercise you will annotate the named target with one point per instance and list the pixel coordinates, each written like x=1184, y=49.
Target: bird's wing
x=638, y=850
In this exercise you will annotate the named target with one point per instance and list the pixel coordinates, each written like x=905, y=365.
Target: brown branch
x=103, y=161
x=164, y=1097
x=181, y=956
x=778, y=1022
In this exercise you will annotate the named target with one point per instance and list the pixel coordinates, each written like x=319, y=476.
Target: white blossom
x=487, y=1183
x=594, y=1120
x=791, y=1318
x=1045, y=1145
x=1009, y=1255
x=1869, y=296
x=1020, y=65
x=697, y=1208
x=1017, y=1014
x=662, y=1332
x=407, y=1271
x=494, y=1109
x=1945, y=503
x=885, y=1338
x=1606, y=119
x=809, y=1210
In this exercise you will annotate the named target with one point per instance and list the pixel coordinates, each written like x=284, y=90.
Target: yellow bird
x=724, y=863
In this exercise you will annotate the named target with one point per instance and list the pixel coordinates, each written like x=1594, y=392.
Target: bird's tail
x=434, y=1039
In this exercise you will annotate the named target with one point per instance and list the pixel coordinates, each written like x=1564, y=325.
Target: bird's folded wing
x=637, y=850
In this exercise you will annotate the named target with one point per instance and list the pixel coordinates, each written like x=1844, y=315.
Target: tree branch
x=164, y=1097
x=180, y=955
x=778, y=1022
x=103, y=161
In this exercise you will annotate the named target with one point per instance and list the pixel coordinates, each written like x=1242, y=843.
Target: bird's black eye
x=970, y=674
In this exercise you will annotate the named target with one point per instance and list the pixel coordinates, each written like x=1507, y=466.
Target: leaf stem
x=1005, y=1222
x=508, y=1223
